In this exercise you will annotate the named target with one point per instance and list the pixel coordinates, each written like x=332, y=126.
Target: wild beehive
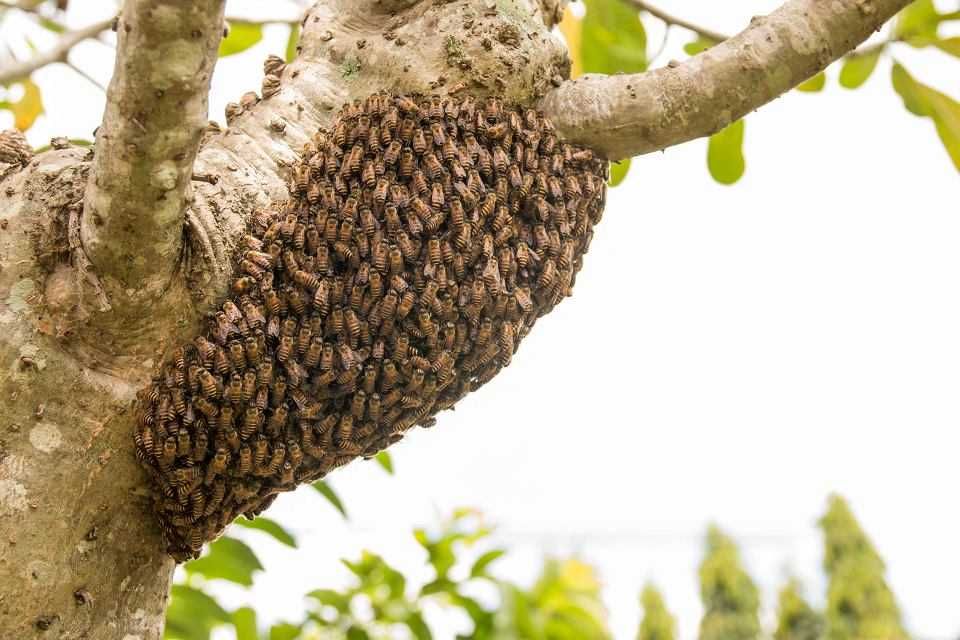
x=422, y=239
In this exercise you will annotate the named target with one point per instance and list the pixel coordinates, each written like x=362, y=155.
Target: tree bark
x=80, y=555
x=132, y=224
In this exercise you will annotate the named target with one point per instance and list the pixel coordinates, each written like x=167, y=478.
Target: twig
x=86, y=76
x=672, y=20
x=80, y=261
x=58, y=53
x=209, y=178
x=290, y=22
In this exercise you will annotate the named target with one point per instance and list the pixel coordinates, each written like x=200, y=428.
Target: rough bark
x=627, y=115
x=132, y=224
x=80, y=556
x=73, y=469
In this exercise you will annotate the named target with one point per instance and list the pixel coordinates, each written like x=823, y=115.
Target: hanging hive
x=421, y=241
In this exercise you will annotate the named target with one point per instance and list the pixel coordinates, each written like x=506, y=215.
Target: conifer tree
x=796, y=619
x=657, y=623
x=729, y=596
x=860, y=604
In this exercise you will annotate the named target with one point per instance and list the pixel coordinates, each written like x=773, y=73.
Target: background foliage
x=611, y=36
x=564, y=603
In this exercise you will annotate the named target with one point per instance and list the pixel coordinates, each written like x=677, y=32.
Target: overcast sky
x=731, y=355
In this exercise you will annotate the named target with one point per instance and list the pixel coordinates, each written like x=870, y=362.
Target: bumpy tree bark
x=88, y=307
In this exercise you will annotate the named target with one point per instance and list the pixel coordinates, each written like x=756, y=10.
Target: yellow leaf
x=579, y=575
x=571, y=29
x=29, y=107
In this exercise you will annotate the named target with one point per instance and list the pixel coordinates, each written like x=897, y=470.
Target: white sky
x=732, y=354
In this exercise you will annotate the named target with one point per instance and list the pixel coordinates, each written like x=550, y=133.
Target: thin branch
x=626, y=115
x=671, y=20
x=58, y=53
x=289, y=22
x=156, y=110
x=86, y=76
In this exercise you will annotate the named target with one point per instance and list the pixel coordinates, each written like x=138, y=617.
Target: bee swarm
x=422, y=239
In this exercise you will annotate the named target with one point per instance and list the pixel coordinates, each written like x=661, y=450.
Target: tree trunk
x=80, y=553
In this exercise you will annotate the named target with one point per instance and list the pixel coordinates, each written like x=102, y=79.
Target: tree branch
x=672, y=20
x=132, y=226
x=627, y=115
x=58, y=53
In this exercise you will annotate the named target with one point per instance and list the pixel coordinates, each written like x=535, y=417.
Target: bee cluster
x=422, y=239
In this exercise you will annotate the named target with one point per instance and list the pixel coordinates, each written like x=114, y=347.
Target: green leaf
x=479, y=568
x=284, y=631
x=227, y=559
x=618, y=171
x=909, y=90
x=241, y=37
x=418, y=627
x=292, y=41
x=331, y=598
x=922, y=100
x=386, y=461
x=192, y=614
x=917, y=19
x=725, y=154
x=613, y=39
x=949, y=45
x=482, y=619
x=245, y=623
x=440, y=585
x=814, y=84
x=50, y=25
x=699, y=45
x=327, y=492
x=857, y=69
x=357, y=633
x=29, y=107
x=268, y=526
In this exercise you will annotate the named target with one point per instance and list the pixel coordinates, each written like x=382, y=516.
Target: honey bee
x=392, y=153
x=437, y=198
x=343, y=250
x=218, y=465
x=407, y=105
x=245, y=460
x=389, y=376
x=251, y=422
x=321, y=297
x=419, y=141
x=312, y=357
x=352, y=325
x=344, y=430
x=374, y=407
x=396, y=260
x=258, y=454
x=238, y=357
x=278, y=420
x=358, y=405
x=547, y=275
x=265, y=373
x=405, y=168
x=278, y=392
x=376, y=283
x=405, y=306
x=326, y=358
